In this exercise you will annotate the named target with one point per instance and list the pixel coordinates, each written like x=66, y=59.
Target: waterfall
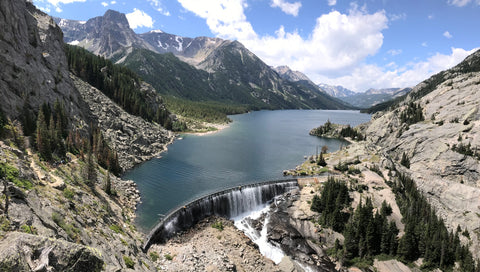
x=227, y=203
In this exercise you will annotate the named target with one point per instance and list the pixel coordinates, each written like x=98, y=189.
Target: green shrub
x=354, y=171
x=168, y=257
x=70, y=229
x=128, y=262
x=68, y=193
x=28, y=229
x=117, y=229
x=218, y=225
x=154, y=256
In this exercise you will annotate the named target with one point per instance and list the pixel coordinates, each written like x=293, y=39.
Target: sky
x=355, y=44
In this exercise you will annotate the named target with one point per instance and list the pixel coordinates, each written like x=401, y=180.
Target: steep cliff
x=34, y=67
x=67, y=213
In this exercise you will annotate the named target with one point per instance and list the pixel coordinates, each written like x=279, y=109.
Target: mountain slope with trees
x=224, y=72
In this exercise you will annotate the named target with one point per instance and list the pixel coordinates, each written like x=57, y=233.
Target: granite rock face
x=449, y=179
x=34, y=67
x=26, y=252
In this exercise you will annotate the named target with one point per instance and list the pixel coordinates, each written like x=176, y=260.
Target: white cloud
x=396, y=17
x=139, y=18
x=425, y=44
x=431, y=16
x=104, y=4
x=371, y=76
x=459, y=3
x=394, y=52
x=447, y=35
x=333, y=53
x=157, y=4
x=225, y=18
x=337, y=43
x=288, y=8
x=332, y=2
x=113, y=2
x=56, y=3
x=44, y=9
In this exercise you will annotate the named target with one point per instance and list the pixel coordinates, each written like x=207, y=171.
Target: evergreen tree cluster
x=466, y=149
x=94, y=143
x=412, y=114
x=333, y=199
x=426, y=235
x=209, y=111
x=323, y=129
x=348, y=131
x=118, y=83
x=368, y=234
x=51, y=129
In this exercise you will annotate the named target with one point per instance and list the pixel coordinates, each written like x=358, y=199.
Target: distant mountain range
x=197, y=69
x=374, y=96
x=359, y=100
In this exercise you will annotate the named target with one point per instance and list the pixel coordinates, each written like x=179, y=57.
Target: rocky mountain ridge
x=288, y=74
x=227, y=71
x=336, y=91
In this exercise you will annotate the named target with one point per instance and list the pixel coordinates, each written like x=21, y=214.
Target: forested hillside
x=119, y=83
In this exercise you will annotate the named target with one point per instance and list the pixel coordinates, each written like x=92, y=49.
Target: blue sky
x=356, y=44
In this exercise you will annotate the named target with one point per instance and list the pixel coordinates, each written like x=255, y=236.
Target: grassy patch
x=4, y=223
x=70, y=229
x=28, y=229
x=68, y=193
x=117, y=229
x=11, y=174
x=168, y=256
x=128, y=262
x=218, y=225
x=154, y=256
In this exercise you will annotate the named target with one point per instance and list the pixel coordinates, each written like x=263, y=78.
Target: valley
x=93, y=153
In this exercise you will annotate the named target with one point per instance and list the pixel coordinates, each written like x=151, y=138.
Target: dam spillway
x=226, y=203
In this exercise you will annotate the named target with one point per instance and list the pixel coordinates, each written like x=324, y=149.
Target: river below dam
x=256, y=147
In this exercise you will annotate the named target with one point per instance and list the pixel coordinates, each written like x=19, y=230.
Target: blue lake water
x=257, y=146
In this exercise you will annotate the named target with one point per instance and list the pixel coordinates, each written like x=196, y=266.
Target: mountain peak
x=117, y=17
x=288, y=74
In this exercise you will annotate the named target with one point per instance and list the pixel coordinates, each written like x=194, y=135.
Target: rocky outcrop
x=34, y=67
x=26, y=252
x=293, y=231
x=79, y=220
x=204, y=248
x=448, y=178
x=134, y=139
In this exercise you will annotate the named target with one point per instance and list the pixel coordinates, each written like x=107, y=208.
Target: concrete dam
x=226, y=203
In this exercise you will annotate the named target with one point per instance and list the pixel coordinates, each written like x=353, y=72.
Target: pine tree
x=321, y=161
x=108, y=184
x=405, y=160
x=91, y=171
x=43, y=137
